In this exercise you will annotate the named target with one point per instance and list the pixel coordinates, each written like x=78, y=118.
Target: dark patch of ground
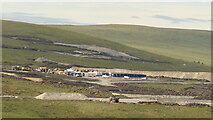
x=203, y=92
x=28, y=39
x=174, y=79
x=77, y=87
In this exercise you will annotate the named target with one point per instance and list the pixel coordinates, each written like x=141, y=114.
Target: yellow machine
x=22, y=68
x=58, y=71
x=16, y=67
x=42, y=69
x=114, y=99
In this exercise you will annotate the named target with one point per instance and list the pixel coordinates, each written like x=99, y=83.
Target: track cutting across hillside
x=92, y=51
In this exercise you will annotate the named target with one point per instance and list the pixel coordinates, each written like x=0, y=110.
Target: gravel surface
x=100, y=49
x=62, y=96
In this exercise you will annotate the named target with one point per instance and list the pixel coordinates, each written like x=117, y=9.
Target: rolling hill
x=187, y=45
x=24, y=42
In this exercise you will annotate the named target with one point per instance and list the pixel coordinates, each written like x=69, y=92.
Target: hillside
x=187, y=45
x=23, y=43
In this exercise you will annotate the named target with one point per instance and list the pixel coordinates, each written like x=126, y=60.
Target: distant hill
x=187, y=45
x=24, y=42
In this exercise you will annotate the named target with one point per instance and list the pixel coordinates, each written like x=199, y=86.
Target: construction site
x=119, y=85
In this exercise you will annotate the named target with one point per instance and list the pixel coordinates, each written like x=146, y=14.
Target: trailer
x=76, y=74
x=106, y=75
x=126, y=75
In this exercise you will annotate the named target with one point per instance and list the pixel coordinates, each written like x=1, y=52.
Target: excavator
x=58, y=71
x=114, y=99
x=22, y=68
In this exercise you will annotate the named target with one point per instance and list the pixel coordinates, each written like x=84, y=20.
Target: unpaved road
x=106, y=85
x=10, y=74
x=111, y=81
x=28, y=78
x=99, y=49
x=170, y=74
x=180, y=100
x=33, y=79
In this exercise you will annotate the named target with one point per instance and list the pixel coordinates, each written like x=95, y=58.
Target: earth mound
x=62, y=96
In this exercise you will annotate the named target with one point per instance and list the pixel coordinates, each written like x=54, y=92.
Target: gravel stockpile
x=62, y=96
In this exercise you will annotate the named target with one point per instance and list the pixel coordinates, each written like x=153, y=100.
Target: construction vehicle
x=27, y=69
x=16, y=67
x=114, y=99
x=85, y=70
x=42, y=69
x=58, y=71
x=21, y=68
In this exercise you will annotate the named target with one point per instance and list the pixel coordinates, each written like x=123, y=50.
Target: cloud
x=37, y=19
x=135, y=17
x=179, y=20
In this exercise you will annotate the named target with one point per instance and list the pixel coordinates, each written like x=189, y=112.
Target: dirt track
x=172, y=74
x=28, y=78
x=98, y=52
x=202, y=92
x=33, y=79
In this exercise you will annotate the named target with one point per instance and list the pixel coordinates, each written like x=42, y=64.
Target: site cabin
x=68, y=70
x=90, y=74
x=106, y=75
x=126, y=75
x=123, y=75
x=98, y=73
x=76, y=74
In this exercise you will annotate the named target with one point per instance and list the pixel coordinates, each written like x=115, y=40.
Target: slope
x=187, y=45
x=36, y=41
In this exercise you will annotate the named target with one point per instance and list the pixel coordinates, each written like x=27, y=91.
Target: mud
x=76, y=87
x=21, y=76
x=202, y=92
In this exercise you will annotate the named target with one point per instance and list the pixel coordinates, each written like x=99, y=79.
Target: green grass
x=21, y=44
x=32, y=108
x=12, y=56
x=29, y=108
x=188, y=45
x=20, y=87
x=165, y=86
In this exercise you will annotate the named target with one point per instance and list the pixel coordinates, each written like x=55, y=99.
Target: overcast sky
x=194, y=15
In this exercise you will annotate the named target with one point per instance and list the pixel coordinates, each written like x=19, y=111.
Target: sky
x=186, y=15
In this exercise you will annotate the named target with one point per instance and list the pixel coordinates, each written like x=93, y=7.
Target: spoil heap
x=62, y=96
